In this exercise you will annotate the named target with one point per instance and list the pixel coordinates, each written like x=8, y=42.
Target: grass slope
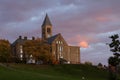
x=47, y=72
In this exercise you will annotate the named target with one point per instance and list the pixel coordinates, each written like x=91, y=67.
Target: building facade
x=59, y=47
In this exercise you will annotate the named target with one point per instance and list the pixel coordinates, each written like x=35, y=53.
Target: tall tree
x=114, y=60
x=5, y=50
x=38, y=49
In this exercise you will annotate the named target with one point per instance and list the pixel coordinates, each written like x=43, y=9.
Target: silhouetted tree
x=88, y=63
x=5, y=50
x=114, y=60
x=100, y=66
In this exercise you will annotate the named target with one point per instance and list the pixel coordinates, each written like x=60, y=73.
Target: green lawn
x=48, y=72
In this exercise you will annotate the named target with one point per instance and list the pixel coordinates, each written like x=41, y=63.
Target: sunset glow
x=83, y=44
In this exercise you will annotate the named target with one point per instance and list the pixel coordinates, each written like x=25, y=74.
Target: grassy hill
x=48, y=72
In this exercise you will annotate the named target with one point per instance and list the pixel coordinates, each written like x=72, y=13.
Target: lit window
x=21, y=56
x=60, y=48
x=57, y=42
x=68, y=62
x=61, y=57
x=31, y=56
x=21, y=49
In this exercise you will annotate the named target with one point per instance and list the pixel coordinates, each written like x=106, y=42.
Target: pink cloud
x=79, y=40
x=102, y=19
x=83, y=44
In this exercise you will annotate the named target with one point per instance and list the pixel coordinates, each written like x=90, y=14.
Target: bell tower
x=46, y=28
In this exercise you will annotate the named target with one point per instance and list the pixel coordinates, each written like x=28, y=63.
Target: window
x=21, y=56
x=60, y=48
x=61, y=57
x=21, y=49
x=56, y=42
x=59, y=42
x=48, y=30
x=31, y=56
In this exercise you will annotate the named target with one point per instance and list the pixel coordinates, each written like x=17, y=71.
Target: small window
x=21, y=49
x=56, y=42
x=48, y=30
x=59, y=42
x=21, y=56
x=60, y=48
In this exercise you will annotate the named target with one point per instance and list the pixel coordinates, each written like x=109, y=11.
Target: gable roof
x=51, y=39
x=20, y=41
x=46, y=21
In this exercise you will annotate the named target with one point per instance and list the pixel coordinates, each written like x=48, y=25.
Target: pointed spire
x=46, y=21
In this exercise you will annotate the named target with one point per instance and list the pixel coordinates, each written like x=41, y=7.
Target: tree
x=38, y=49
x=100, y=66
x=114, y=60
x=88, y=63
x=5, y=50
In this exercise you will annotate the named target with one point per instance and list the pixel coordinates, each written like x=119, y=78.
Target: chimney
x=33, y=38
x=25, y=38
x=20, y=37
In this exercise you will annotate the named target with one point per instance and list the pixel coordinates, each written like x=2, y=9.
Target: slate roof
x=51, y=39
x=20, y=41
x=46, y=21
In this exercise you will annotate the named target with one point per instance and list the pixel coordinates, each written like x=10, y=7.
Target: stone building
x=59, y=47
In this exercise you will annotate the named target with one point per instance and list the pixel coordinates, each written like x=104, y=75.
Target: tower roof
x=46, y=21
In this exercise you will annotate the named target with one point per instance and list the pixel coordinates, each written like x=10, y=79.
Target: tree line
x=38, y=49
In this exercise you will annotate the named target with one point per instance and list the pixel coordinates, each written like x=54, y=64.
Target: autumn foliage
x=5, y=51
x=38, y=49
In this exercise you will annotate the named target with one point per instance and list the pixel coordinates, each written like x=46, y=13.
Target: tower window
x=48, y=30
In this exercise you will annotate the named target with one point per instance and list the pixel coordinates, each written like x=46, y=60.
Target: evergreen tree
x=114, y=60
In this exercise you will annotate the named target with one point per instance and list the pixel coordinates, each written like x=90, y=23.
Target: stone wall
x=74, y=52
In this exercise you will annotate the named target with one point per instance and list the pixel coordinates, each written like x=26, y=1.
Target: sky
x=84, y=23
